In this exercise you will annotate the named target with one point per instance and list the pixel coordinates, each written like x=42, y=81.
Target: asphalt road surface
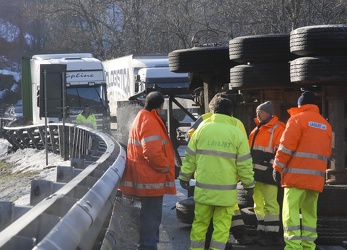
x=174, y=235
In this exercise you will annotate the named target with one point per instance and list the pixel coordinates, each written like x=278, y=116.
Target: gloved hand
x=277, y=177
x=190, y=132
x=249, y=192
x=185, y=184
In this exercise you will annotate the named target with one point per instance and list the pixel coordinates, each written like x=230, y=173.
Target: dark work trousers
x=150, y=219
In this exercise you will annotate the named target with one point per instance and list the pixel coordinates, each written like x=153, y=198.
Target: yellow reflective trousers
x=221, y=226
x=300, y=230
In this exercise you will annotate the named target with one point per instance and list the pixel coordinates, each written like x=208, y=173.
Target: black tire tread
x=332, y=201
x=260, y=48
x=331, y=230
x=319, y=70
x=199, y=59
x=185, y=210
x=319, y=40
x=261, y=75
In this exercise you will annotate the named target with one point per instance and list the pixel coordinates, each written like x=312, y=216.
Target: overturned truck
x=278, y=67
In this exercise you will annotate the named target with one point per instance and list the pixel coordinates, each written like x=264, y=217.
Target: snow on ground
x=27, y=164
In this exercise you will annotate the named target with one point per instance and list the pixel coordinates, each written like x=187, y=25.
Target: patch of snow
x=29, y=159
x=16, y=75
x=8, y=31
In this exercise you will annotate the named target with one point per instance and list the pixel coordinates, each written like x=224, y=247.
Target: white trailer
x=131, y=77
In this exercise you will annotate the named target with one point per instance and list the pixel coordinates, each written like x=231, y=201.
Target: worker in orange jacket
x=150, y=168
x=302, y=159
x=264, y=141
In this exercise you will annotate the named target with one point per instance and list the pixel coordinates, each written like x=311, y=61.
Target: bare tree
x=112, y=28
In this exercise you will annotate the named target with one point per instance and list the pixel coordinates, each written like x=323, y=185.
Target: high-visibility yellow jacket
x=205, y=118
x=218, y=153
x=150, y=165
x=305, y=148
x=86, y=120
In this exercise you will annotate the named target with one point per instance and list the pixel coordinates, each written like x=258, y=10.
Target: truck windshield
x=81, y=96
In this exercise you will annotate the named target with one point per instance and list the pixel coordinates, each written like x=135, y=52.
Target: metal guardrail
x=75, y=211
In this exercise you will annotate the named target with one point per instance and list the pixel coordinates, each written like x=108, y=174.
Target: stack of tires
x=323, y=55
x=263, y=62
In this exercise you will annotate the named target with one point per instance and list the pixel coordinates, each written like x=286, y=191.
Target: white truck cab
x=85, y=85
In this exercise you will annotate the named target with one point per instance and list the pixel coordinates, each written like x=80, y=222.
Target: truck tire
x=250, y=220
x=260, y=75
x=319, y=70
x=331, y=230
x=199, y=59
x=319, y=40
x=260, y=49
x=332, y=201
x=185, y=210
x=242, y=199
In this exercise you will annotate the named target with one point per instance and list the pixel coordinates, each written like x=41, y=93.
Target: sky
x=30, y=159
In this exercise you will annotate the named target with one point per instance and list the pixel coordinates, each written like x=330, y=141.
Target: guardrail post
x=83, y=203
x=41, y=189
x=78, y=163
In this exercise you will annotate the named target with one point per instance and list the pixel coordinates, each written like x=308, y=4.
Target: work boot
x=240, y=235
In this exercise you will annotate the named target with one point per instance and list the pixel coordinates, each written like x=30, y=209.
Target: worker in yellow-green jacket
x=86, y=118
x=238, y=228
x=219, y=155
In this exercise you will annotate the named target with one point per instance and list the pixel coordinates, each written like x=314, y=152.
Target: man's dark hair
x=154, y=100
x=218, y=95
x=221, y=105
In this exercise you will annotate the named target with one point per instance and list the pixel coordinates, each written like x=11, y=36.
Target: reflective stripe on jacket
x=305, y=149
x=150, y=166
x=263, y=142
x=218, y=153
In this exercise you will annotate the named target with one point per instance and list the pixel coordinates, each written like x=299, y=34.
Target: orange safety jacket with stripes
x=264, y=141
x=305, y=149
x=150, y=165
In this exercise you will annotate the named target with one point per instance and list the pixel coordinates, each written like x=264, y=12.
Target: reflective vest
x=150, y=165
x=305, y=148
x=263, y=142
x=88, y=121
x=218, y=153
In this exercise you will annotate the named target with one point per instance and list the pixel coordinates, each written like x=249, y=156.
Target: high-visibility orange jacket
x=305, y=149
x=150, y=166
x=264, y=141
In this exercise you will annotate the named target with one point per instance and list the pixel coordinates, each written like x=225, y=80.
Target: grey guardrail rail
x=74, y=212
